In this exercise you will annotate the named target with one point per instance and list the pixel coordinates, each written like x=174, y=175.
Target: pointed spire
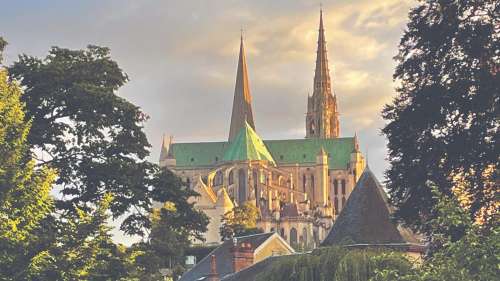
x=242, y=101
x=165, y=147
x=356, y=142
x=322, y=73
x=322, y=113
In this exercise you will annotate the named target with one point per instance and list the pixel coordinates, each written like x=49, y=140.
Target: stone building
x=299, y=185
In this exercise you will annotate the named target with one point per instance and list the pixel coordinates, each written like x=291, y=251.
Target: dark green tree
x=94, y=139
x=83, y=129
x=3, y=43
x=443, y=125
x=174, y=224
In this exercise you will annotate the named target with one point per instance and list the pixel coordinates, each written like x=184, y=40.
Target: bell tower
x=322, y=120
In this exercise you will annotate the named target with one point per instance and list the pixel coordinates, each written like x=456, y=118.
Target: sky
x=181, y=58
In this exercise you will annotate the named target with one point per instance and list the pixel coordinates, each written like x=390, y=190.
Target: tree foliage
x=84, y=130
x=94, y=139
x=443, y=125
x=336, y=264
x=474, y=256
x=3, y=43
x=24, y=189
x=242, y=220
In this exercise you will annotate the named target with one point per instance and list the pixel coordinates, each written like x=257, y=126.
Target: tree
x=242, y=220
x=25, y=201
x=473, y=256
x=3, y=43
x=337, y=263
x=84, y=130
x=443, y=125
x=95, y=141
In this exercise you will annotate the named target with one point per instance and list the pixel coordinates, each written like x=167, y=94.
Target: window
x=335, y=187
x=218, y=178
x=242, y=189
x=293, y=236
x=192, y=159
x=304, y=235
x=304, y=179
x=343, y=202
x=336, y=205
x=216, y=158
x=312, y=185
x=231, y=177
x=281, y=157
x=343, y=187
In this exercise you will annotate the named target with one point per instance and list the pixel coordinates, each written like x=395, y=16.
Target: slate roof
x=251, y=272
x=291, y=151
x=247, y=145
x=366, y=218
x=223, y=257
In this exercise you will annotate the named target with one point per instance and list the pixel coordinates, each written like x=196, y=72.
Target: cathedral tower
x=322, y=120
x=242, y=101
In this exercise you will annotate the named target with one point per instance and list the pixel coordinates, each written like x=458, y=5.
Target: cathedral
x=298, y=185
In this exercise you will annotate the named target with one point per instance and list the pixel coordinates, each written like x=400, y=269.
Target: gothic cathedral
x=298, y=185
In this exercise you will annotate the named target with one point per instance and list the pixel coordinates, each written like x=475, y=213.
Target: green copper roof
x=300, y=151
x=247, y=145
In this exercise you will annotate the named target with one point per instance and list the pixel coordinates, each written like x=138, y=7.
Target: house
x=237, y=254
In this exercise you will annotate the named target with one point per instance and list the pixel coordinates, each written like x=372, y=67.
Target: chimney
x=242, y=255
x=213, y=275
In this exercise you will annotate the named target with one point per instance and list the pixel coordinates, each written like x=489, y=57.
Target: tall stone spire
x=322, y=73
x=242, y=101
x=322, y=116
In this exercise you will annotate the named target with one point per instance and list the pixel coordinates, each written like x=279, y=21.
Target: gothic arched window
x=304, y=235
x=312, y=128
x=335, y=187
x=218, y=178
x=231, y=177
x=293, y=236
x=343, y=187
x=242, y=188
x=312, y=185
x=304, y=179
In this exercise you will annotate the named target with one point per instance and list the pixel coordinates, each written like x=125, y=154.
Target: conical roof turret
x=366, y=217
